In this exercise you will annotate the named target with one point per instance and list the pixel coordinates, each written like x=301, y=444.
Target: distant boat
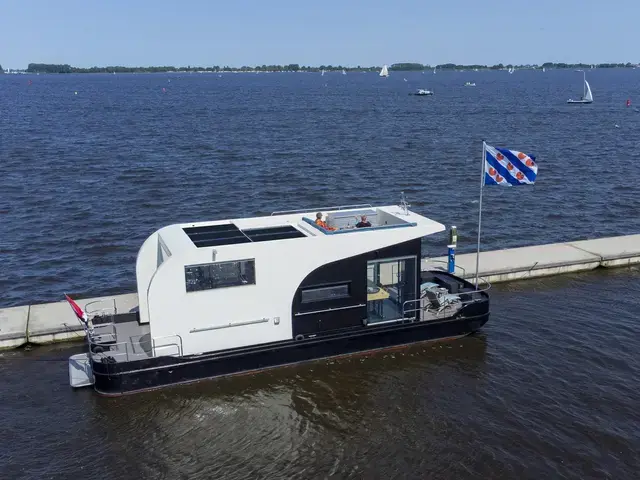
x=543, y=70
x=469, y=84
x=587, y=96
x=434, y=71
x=422, y=92
x=384, y=72
x=511, y=70
x=322, y=73
x=344, y=72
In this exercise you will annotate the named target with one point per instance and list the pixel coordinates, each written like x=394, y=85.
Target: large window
x=321, y=294
x=220, y=275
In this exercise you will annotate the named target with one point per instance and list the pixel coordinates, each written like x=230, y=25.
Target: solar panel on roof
x=273, y=233
x=230, y=234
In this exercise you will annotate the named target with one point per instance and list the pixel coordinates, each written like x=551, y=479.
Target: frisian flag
x=80, y=314
x=509, y=167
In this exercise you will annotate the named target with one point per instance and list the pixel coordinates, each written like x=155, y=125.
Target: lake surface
x=548, y=389
x=86, y=177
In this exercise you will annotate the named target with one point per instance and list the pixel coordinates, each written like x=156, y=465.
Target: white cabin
x=247, y=281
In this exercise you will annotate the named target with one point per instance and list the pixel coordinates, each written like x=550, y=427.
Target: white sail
x=322, y=73
x=384, y=72
x=588, y=96
x=344, y=72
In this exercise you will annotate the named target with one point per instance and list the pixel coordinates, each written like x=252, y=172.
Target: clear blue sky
x=349, y=32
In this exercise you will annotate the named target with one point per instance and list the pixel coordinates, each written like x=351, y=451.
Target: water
x=86, y=178
x=549, y=389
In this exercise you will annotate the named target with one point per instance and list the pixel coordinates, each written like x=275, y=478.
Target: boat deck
x=123, y=339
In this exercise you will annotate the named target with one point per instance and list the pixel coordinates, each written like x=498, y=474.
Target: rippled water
x=85, y=177
x=549, y=389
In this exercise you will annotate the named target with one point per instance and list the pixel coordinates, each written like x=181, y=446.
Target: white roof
x=176, y=239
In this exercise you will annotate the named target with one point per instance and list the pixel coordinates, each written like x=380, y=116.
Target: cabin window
x=220, y=275
x=321, y=294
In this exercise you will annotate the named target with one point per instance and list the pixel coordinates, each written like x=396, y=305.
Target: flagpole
x=482, y=172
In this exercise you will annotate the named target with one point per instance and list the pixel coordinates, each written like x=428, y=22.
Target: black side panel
x=311, y=318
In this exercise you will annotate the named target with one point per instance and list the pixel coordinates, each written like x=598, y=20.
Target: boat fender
x=299, y=337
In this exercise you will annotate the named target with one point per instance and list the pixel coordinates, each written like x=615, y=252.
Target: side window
x=321, y=294
x=220, y=275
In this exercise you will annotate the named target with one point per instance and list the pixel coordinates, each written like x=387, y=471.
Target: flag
x=80, y=314
x=508, y=167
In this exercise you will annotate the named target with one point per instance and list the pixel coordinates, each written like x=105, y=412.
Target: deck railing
x=322, y=209
x=114, y=348
x=470, y=294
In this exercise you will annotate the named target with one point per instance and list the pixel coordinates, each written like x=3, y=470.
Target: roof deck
x=289, y=225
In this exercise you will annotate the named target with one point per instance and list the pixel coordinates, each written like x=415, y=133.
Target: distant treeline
x=294, y=67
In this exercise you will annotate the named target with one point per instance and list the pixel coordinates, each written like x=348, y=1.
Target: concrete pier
x=545, y=260
x=55, y=322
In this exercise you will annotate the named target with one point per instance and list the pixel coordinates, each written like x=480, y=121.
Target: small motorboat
x=469, y=84
x=422, y=92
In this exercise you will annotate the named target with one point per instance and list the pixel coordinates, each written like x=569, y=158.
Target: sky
x=85, y=33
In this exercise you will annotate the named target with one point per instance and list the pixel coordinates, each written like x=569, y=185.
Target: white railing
x=464, y=272
x=322, y=209
x=113, y=348
x=462, y=302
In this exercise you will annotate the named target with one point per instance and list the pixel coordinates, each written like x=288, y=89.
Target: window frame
x=325, y=287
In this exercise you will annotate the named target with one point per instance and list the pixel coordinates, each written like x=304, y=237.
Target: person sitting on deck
x=322, y=223
x=363, y=222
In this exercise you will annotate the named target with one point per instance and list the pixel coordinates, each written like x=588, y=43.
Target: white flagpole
x=484, y=153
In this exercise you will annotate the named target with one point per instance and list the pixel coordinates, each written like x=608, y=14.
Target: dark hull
x=122, y=378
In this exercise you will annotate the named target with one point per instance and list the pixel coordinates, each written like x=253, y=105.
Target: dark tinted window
x=220, y=275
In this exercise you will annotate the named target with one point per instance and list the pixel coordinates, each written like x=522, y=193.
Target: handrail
x=321, y=209
x=464, y=272
x=478, y=290
x=153, y=343
x=104, y=309
x=104, y=325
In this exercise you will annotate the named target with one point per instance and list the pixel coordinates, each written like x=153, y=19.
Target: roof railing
x=305, y=210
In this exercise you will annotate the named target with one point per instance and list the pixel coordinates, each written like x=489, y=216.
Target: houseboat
x=235, y=296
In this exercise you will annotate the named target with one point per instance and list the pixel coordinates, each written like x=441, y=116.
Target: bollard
x=451, y=254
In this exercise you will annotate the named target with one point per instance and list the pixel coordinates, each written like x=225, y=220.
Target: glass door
x=390, y=283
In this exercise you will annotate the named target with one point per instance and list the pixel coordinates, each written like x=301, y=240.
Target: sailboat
x=434, y=71
x=322, y=74
x=587, y=97
x=543, y=70
x=344, y=72
x=384, y=72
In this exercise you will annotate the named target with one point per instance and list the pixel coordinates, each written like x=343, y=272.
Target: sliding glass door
x=390, y=283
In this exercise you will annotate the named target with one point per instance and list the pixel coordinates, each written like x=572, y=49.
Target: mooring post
x=453, y=241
